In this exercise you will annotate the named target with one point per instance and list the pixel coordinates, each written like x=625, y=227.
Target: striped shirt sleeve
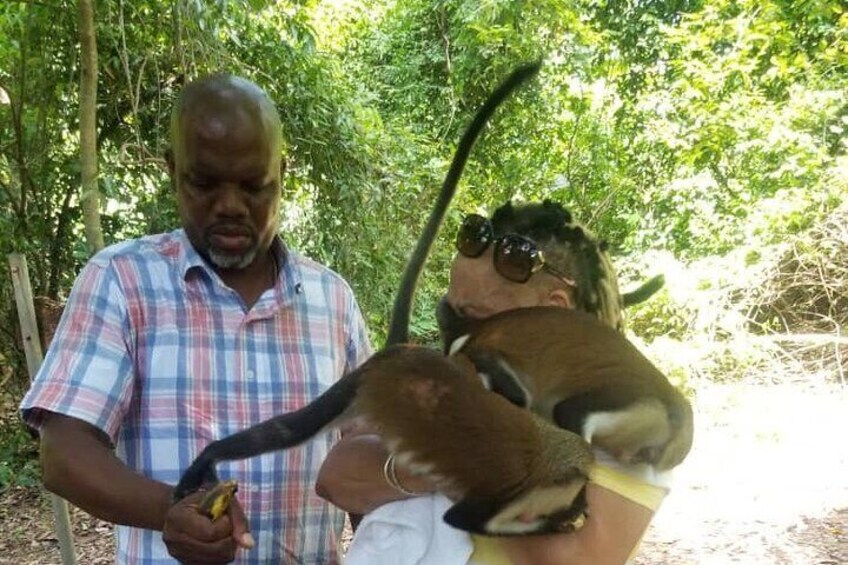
x=88, y=370
x=359, y=347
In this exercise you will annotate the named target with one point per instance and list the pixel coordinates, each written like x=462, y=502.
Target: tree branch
x=88, y=126
x=448, y=67
x=7, y=190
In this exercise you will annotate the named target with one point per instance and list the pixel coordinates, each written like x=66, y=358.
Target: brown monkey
x=436, y=415
x=584, y=376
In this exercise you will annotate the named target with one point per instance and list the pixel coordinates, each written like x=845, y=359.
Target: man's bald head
x=220, y=98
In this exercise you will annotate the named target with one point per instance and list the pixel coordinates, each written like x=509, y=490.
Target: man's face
x=227, y=181
x=476, y=290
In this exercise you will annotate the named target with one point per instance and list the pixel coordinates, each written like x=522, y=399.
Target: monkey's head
x=583, y=275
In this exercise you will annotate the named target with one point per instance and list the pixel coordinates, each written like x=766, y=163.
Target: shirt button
x=251, y=374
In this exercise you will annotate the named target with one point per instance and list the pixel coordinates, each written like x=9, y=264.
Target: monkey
x=581, y=374
x=435, y=414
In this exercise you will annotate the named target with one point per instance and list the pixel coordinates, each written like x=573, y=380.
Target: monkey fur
x=575, y=367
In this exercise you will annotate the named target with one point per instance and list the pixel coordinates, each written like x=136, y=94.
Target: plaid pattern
x=157, y=352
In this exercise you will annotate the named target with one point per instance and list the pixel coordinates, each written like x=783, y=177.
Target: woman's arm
x=352, y=475
x=614, y=527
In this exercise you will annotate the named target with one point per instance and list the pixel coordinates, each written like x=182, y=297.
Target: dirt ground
x=766, y=483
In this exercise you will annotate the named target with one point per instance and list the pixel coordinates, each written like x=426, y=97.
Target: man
x=573, y=271
x=174, y=340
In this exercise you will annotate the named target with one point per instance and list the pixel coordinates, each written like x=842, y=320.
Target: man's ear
x=560, y=297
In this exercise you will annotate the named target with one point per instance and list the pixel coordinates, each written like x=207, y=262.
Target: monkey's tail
x=644, y=292
x=399, y=325
x=277, y=433
x=290, y=429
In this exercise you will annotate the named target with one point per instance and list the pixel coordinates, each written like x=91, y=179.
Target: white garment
x=409, y=532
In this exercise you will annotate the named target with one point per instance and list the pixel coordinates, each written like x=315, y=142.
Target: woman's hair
x=571, y=248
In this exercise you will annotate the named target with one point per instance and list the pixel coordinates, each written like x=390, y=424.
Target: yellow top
x=644, y=490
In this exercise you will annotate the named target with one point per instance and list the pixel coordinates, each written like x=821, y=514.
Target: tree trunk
x=88, y=127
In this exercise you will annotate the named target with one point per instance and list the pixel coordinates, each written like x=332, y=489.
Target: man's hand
x=192, y=538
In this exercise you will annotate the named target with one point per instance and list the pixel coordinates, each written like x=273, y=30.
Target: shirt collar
x=289, y=283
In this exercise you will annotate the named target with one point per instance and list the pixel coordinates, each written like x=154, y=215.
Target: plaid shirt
x=158, y=353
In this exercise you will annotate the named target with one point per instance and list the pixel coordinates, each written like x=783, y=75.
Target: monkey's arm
x=614, y=527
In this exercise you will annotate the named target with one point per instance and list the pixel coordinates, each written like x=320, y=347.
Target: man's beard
x=229, y=260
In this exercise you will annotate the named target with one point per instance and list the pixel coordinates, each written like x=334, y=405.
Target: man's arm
x=79, y=465
x=613, y=529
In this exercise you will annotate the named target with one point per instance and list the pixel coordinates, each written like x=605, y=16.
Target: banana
x=215, y=503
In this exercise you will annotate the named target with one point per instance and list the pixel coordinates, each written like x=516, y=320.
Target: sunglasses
x=516, y=258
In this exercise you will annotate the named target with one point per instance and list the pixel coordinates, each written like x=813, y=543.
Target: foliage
x=762, y=313
x=694, y=126
x=752, y=115
x=805, y=284
x=660, y=316
x=18, y=453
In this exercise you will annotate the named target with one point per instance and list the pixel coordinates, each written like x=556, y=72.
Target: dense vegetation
x=705, y=138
